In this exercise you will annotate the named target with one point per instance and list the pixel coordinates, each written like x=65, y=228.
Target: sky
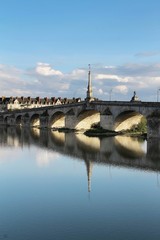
x=46, y=46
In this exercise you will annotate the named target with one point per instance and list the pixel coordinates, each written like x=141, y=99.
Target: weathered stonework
x=153, y=125
x=83, y=115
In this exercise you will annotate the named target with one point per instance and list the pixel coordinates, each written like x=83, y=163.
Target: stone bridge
x=111, y=115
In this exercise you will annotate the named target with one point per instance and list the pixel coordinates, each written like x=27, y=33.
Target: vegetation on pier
x=139, y=129
x=96, y=130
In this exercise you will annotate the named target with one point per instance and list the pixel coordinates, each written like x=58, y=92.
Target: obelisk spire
x=89, y=89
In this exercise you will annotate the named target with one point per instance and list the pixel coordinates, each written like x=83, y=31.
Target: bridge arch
x=57, y=120
x=18, y=120
x=35, y=120
x=9, y=119
x=127, y=120
x=35, y=134
x=87, y=118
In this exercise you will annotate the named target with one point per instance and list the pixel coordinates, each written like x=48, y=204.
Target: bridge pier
x=44, y=121
x=70, y=121
x=153, y=126
x=107, y=122
x=25, y=121
x=11, y=120
x=153, y=150
x=2, y=122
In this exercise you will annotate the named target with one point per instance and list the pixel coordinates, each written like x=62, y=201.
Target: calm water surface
x=56, y=186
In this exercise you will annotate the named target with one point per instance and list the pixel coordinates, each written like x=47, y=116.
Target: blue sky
x=46, y=46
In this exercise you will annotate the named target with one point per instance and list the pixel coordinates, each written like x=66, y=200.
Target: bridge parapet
x=85, y=114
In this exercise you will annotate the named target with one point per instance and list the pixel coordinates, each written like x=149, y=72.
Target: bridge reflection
x=118, y=151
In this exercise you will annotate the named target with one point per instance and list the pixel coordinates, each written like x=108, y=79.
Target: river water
x=64, y=186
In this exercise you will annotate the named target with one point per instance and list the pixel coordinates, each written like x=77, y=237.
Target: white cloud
x=100, y=91
x=9, y=73
x=77, y=74
x=46, y=70
x=10, y=80
x=110, y=67
x=121, y=89
x=44, y=80
x=112, y=77
x=48, y=81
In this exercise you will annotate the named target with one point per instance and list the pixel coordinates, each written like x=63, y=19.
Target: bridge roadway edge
x=151, y=110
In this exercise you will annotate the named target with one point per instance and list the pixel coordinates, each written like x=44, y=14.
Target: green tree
x=141, y=127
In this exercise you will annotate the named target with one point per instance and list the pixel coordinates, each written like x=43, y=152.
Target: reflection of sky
x=6, y=154
x=144, y=146
x=52, y=202
x=44, y=157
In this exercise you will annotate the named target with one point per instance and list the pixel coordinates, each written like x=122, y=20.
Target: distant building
x=12, y=103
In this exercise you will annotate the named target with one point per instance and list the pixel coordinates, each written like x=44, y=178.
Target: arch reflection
x=119, y=151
